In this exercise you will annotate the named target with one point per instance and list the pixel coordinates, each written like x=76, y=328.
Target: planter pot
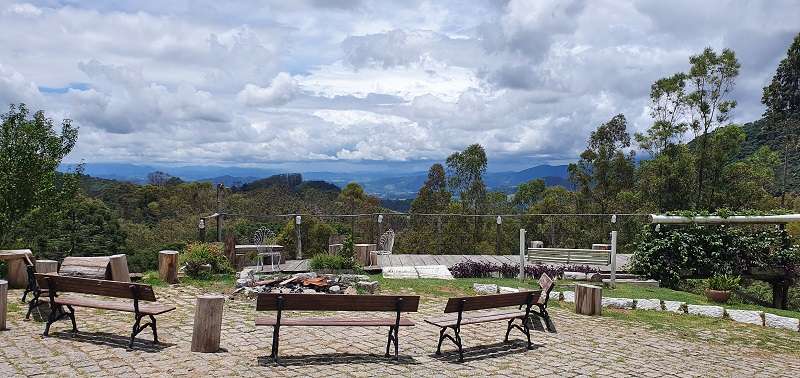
x=718, y=296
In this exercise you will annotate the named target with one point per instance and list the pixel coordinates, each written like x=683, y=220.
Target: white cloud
x=24, y=10
x=280, y=91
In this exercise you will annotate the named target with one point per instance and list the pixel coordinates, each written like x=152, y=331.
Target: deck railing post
x=613, y=259
x=521, y=254
x=297, y=237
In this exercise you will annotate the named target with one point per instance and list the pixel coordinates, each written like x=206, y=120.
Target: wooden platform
x=447, y=260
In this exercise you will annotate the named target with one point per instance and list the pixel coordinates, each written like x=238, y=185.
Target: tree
x=159, y=178
x=667, y=108
x=712, y=77
x=528, y=193
x=782, y=99
x=604, y=169
x=466, y=170
x=30, y=152
x=433, y=197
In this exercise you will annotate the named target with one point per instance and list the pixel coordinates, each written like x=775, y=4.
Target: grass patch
x=445, y=288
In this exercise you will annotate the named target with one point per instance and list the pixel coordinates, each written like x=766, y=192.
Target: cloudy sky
x=339, y=84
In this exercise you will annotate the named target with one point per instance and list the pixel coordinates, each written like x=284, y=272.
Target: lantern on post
x=201, y=227
x=298, y=240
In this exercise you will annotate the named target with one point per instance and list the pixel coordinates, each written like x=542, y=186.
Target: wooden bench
x=570, y=256
x=330, y=302
x=56, y=285
x=457, y=309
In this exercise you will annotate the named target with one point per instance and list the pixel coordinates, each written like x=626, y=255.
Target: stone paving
x=583, y=346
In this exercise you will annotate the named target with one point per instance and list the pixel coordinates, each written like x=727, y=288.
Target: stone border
x=760, y=318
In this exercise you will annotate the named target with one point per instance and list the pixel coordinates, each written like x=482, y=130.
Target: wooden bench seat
x=334, y=322
x=452, y=319
x=330, y=302
x=79, y=301
x=57, y=289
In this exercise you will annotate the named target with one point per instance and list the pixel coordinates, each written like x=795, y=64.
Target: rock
x=506, y=290
x=648, y=304
x=594, y=277
x=368, y=286
x=434, y=271
x=577, y=276
x=277, y=290
x=352, y=278
x=309, y=291
x=775, y=321
x=247, y=273
x=336, y=289
x=746, y=316
x=569, y=296
x=555, y=296
x=485, y=288
x=710, y=311
x=242, y=282
x=351, y=291
x=622, y=303
x=674, y=306
x=397, y=272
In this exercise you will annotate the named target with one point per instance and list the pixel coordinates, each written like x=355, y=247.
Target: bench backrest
x=92, y=286
x=570, y=256
x=491, y=301
x=336, y=302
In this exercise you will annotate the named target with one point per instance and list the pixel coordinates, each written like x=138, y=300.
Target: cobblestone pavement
x=583, y=346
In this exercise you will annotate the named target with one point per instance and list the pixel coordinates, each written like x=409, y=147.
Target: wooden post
x=3, y=304
x=588, y=299
x=499, y=235
x=297, y=237
x=439, y=234
x=17, y=274
x=220, y=226
x=207, y=323
x=46, y=266
x=521, y=254
x=119, y=268
x=168, y=266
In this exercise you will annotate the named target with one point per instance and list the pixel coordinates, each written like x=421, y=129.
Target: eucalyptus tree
x=465, y=174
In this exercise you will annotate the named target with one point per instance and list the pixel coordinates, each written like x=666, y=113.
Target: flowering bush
x=196, y=255
x=475, y=269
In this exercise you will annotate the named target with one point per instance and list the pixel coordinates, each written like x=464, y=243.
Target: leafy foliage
x=196, y=255
x=3, y=269
x=670, y=253
x=723, y=282
x=314, y=235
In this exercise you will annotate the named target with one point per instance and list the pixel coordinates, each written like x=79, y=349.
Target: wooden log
x=3, y=304
x=46, y=266
x=588, y=299
x=168, y=266
x=207, y=323
x=17, y=274
x=86, y=267
x=119, y=268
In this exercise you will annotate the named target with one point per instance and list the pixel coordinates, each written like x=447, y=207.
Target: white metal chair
x=263, y=239
x=386, y=243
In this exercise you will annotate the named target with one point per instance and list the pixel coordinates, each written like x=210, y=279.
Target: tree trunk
x=168, y=266
x=207, y=329
x=588, y=299
x=785, y=168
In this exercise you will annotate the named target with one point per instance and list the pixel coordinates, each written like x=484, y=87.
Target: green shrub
x=196, y=255
x=723, y=282
x=314, y=235
x=331, y=262
x=671, y=253
x=3, y=269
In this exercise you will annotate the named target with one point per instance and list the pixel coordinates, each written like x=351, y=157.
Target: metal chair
x=386, y=243
x=263, y=239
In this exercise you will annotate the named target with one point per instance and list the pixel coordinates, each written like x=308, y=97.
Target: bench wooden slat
x=333, y=322
x=451, y=320
x=328, y=302
x=95, y=287
x=144, y=308
x=490, y=301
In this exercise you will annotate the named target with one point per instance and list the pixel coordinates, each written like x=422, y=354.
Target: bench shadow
x=539, y=324
x=334, y=359
x=110, y=340
x=484, y=352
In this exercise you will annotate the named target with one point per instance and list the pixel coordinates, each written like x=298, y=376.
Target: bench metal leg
x=155, y=330
x=135, y=330
x=275, y=342
x=456, y=339
x=72, y=317
x=525, y=328
x=57, y=313
x=393, y=338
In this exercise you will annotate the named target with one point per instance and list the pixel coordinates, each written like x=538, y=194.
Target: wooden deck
x=447, y=260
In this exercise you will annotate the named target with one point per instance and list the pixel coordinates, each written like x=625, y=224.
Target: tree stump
x=17, y=274
x=46, y=266
x=168, y=266
x=3, y=303
x=207, y=323
x=588, y=299
x=119, y=268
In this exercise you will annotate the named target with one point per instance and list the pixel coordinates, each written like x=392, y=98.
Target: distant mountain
x=138, y=173
x=758, y=136
x=230, y=181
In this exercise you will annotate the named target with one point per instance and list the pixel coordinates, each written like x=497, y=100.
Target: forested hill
x=759, y=135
